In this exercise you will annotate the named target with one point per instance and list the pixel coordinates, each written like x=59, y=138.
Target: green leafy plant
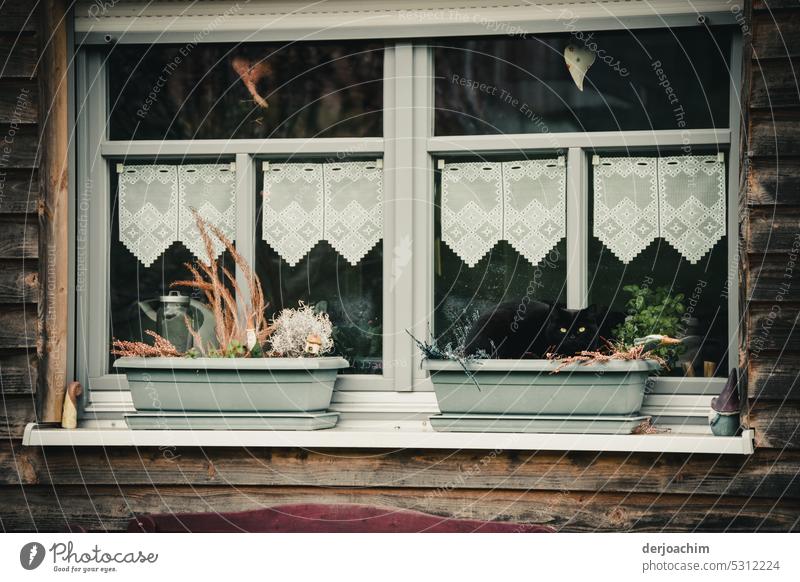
x=651, y=311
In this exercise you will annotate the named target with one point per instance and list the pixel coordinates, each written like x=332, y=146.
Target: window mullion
x=245, y=218
x=398, y=213
x=422, y=238
x=577, y=228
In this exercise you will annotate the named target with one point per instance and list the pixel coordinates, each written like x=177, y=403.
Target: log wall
x=100, y=489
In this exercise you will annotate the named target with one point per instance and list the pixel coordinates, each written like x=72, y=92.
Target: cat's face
x=570, y=331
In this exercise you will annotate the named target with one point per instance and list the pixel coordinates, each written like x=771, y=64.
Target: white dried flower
x=293, y=327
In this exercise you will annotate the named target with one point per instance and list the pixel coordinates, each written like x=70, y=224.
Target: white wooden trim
x=424, y=208
x=399, y=286
x=577, y=229
x=221, y=147
x=389, y=435
x=291, y=20
x=515, y=142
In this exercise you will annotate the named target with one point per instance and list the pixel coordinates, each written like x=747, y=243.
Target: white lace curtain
x=522, y=202
x=156, y=203
x=307, y=203
x=680, y=199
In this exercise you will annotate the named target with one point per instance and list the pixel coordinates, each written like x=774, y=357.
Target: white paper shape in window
x=472, y=208
x=534, y=210
x=293, y=203
x=626, y=204
x=210, y=189
x=148, y=210
x=692, y=199
x=353, y=215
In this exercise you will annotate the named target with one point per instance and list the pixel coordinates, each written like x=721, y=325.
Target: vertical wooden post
x=53, y=209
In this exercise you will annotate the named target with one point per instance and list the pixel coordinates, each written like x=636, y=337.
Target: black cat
x=530, y=330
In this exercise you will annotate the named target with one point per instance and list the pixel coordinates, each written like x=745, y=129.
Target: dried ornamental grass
x=230, y=327
x=292, y=329
x=612, y=353
x=161, y=348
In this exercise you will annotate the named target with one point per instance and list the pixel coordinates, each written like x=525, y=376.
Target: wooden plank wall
x=100, y=489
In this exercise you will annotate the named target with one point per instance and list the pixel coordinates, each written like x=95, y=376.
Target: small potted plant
x=255, y=367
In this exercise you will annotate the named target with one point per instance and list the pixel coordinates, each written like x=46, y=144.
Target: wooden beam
x=766, y=473
x=53, y=209
x=109, y=508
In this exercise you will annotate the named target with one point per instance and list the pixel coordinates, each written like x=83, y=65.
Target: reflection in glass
x=704, y=324
x=225, y=91
x=461, y=293
x=135, y=290
x=351, y=295
x=639, y=80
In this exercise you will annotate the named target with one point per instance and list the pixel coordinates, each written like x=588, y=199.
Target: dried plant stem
x=162, y=348
x=216, y=282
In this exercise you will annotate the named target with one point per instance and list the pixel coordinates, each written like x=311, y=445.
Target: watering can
x=169, y=314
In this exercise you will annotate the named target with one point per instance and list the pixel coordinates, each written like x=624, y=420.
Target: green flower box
x=533, y=387
x=231, y=384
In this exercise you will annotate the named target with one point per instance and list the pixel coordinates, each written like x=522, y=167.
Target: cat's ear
x=592, y=309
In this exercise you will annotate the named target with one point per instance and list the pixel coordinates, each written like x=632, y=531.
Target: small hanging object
x=313, y=344
x=578, y=62
x=69, y=416
x=724, y=416
x=251, y=73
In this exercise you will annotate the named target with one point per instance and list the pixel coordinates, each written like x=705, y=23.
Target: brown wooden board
x=776, y=423
x=109, y=508
x=775, y=375
x=20, y=192
x=776, y=35
x=775, y=84
x=15, y=413
x=774, y=328
x=774, y=133
x=18, y=55
x=767, y=473
x=770, y=230
x=18, y=237
x=773, y=181
x=18, y=371
x=19, y=281
x=17, y=16
x=20, y=145
x=18, y=99
x=18, y=327
x=774, y=277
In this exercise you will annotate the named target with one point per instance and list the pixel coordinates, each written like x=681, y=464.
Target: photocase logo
x=31, y=555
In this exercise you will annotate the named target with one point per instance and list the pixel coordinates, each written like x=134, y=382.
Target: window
x=409, y=111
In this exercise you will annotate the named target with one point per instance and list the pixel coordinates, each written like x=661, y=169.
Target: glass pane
x=225, y=91
x=639, y=80
x=351, y=295
x=704, y=321
x=503, y=278
x=135, y=289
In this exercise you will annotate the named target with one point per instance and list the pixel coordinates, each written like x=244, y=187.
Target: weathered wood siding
x=101, y=488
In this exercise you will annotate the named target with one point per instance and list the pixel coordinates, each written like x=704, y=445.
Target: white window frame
x=408, y=148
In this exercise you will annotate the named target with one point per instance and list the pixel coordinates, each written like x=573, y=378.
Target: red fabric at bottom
x=313, y=518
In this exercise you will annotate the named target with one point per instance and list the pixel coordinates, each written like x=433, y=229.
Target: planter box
x=231, y=384
x=529, y=387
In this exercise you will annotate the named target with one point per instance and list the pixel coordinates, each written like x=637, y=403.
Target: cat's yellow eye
x=563, y=330
x=581, y=329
